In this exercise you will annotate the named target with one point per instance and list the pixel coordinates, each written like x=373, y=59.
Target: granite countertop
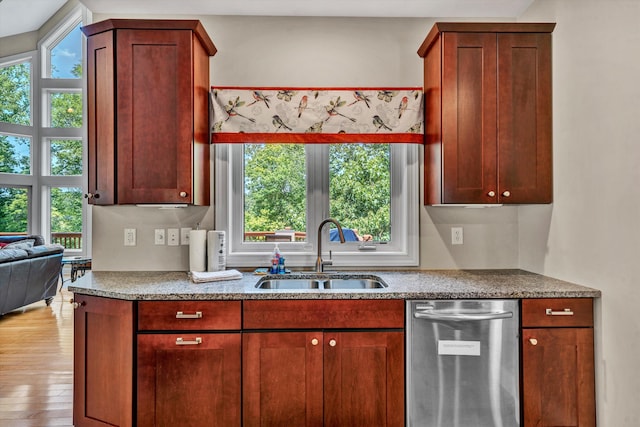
x=409, y=284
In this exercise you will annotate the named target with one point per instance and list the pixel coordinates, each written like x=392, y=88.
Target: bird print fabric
x=300, y=111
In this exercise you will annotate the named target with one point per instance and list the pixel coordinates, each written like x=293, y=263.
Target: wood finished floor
x=36, y=364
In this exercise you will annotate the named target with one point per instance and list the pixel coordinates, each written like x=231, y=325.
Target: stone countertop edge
x=405, y=285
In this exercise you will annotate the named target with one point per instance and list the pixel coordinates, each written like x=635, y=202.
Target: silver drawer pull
x=565, y=312
x=180, y=341
x=196, y=315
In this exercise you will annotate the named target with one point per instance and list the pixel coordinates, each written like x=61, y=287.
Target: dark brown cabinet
x=188, y=363
x=488, y=113
x=329, y=376
x=558, y=363
x=102, y=362
x=148, y=111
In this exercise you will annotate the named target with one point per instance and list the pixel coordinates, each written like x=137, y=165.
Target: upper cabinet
x=488, y=113
x=148, y=111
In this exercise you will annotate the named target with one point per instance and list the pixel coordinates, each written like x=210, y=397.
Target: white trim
x=403, y=250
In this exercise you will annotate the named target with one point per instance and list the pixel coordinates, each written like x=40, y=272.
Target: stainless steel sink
x=321, y=282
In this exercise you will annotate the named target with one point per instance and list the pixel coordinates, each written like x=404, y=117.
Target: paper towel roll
x=198, y=250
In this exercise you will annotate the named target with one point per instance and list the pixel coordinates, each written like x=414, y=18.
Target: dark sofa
x=29, y=271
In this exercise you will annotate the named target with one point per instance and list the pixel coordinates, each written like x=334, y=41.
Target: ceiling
x=19, y=16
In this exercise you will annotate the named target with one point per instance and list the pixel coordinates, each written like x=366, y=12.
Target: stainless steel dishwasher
x=463, y=363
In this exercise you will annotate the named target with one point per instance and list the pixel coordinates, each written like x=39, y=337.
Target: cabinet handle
x=88, y=196
x=565, y=312
x=533, y=341
x=314, y=341
x=491, y=194
x=76, y=304
x=332, y=343
x=180, y=341
x=506, y=194
x=196, y=315
x=183, y=194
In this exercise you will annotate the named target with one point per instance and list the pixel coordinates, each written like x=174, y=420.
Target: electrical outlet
x=129, y=236
x=184, y=235
x=173, y=237
x=457, y=237
x=159, y=237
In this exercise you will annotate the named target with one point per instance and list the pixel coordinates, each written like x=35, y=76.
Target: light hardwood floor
x=36, y=364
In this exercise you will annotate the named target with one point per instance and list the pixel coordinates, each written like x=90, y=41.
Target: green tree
x=13, y=210
x=360, y=188
x=66, y=206
x=15, y=94
x=275, y=187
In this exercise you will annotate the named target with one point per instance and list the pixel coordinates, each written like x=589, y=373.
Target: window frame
x=40, y=181
x=403, y=250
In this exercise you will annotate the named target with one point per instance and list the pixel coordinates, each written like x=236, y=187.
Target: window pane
x=66, y=56
x=360, y=189
x=65, y=109
x=66, y=216
x=66, y=157
x=15, y=94
x=15, y=154
x=274, y=190
x=14, y=209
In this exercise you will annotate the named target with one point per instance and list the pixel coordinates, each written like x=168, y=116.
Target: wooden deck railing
x=68, y=240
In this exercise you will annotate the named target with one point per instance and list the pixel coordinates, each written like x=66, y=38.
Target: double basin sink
x=313, y=281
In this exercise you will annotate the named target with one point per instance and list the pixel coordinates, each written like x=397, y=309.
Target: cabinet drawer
x=557, y=312
x=188, y=315
x=317, y=314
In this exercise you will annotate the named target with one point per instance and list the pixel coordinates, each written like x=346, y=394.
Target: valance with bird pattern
x=317, y=115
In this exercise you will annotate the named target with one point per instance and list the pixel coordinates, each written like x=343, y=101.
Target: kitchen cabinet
x=188, y=363
x=102, y=362
x=148, y=111
x=488, y=129
x=558, y=362
x=347, y=370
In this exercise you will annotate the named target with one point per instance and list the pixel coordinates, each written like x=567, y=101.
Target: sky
x=66, y=54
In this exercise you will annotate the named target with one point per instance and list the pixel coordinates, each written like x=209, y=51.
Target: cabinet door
x=558, y=377
x=102, y=362
x=282, y=379
x=364, y=379
x=524, y=123
x=101, y=118
x=189, y=380
x=155, y=116
x=469, y=117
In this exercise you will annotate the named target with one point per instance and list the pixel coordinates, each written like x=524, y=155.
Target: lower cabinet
x=184, y=379
x=329, y=376
x=296, y=363
x=326, y=378
x=558, y=363
x=102, y=362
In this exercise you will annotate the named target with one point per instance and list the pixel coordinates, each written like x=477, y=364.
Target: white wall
x=313, y=52
x=591, y=234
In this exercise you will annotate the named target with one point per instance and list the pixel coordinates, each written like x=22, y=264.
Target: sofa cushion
x=8, y=255
x=39, y=240
x=20, y=244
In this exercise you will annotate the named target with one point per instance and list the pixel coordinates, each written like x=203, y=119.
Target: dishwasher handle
x=462, y=317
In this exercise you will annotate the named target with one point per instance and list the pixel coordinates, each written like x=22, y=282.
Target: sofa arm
x=43, y=250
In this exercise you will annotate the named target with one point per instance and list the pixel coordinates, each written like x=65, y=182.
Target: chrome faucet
x=319, y=262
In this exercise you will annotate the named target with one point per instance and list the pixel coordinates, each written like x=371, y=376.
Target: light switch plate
x=184, y=235
x=159, y=236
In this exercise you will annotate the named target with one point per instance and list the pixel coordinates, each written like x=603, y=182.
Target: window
x=42, y=158
x=286, y=190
